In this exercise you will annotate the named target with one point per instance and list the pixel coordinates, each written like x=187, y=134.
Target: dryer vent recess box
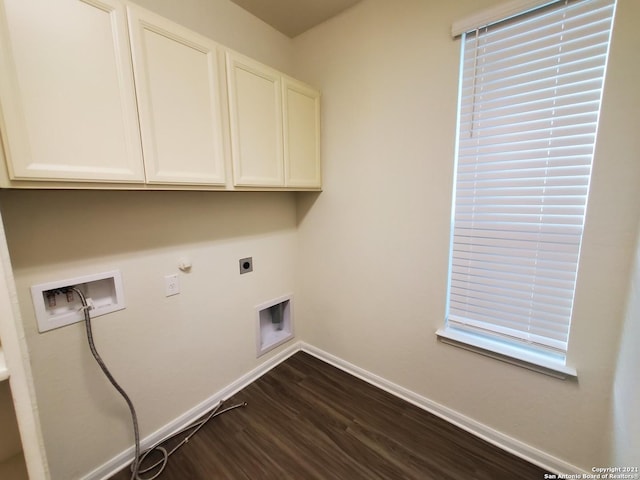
x=55, y=308
x=274, y=323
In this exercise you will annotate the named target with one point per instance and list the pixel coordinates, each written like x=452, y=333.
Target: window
x=530, y=92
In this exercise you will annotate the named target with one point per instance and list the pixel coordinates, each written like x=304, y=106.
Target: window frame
x=551, y=363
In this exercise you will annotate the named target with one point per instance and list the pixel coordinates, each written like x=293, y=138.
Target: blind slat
x=539, y=295
x=512, y=284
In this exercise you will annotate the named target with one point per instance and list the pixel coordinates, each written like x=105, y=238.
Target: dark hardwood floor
x=308, y=420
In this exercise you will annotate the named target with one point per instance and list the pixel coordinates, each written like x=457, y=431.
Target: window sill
x=521, y=357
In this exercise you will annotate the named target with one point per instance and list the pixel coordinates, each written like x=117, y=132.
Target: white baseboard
x=500, y=440
x=123, y=459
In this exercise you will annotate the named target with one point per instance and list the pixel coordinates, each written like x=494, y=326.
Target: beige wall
x=388, y=72
x=625, y=445
x=170, y=354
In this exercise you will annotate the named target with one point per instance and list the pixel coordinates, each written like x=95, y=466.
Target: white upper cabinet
x=301, y=135
x=178, y=90
x=105, y=94
x=67, y=94
x=255, y=110
x=275, y=127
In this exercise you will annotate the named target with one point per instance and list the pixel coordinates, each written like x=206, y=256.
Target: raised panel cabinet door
x=255, y=109
x=301, y=135
x=178, y=90
x=66, y=89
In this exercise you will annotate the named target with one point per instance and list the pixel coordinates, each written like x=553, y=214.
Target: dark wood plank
x=308, y=420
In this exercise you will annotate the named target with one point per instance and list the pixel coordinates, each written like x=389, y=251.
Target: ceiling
x=293, y=17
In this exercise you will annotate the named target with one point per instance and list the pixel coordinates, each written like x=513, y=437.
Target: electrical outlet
x=246, y=265
x=171, y=285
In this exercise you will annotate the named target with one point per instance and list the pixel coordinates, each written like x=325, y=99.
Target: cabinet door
x=301, y=135
x=66, y=89
x=178, y=90
x=255, y=108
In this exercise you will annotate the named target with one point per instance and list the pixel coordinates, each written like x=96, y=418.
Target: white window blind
x=529, y=103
